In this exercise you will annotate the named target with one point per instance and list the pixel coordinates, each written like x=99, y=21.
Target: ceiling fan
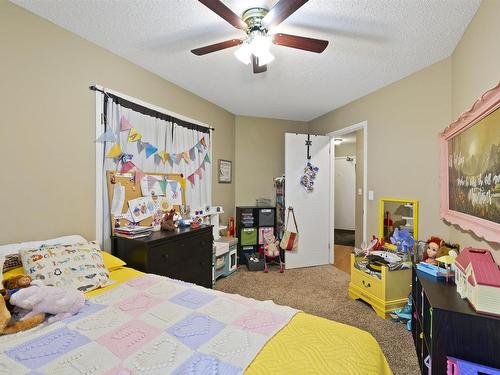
x=256, y=23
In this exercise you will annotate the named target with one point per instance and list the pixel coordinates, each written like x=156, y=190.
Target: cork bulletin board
x=133, y=190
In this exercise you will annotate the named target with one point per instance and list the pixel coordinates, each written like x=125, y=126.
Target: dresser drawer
x=185, y=254
x=367, y=283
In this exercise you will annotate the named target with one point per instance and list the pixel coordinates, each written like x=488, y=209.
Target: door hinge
x=102, y=118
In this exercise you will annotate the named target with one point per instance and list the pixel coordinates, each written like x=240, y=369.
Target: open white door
x=312, y=209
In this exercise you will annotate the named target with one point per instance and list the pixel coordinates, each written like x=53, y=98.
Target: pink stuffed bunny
x=39, y=298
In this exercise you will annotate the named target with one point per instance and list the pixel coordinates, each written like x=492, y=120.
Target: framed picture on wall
x=470, y=168
x=225, y=171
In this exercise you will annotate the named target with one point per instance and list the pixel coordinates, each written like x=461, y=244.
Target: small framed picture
x=225, y=171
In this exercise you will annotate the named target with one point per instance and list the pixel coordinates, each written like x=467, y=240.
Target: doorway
x=349, y=164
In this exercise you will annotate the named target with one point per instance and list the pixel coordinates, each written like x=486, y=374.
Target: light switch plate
x=370, y=195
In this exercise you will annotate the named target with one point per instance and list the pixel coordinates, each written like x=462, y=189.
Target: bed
x=306, y=344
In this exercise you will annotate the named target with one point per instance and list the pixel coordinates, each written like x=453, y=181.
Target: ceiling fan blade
x=216, y=47
x=256, y=68
x=300, y=42
x=281, y=11
x=223, y=11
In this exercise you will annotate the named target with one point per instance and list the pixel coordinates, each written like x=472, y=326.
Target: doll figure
x=432, y=251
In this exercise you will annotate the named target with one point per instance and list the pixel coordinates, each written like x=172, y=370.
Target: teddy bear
x=170, y=221
x=271, y=246
x=14, y=319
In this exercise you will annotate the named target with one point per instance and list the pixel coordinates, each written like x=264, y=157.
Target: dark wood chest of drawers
x=186, y=254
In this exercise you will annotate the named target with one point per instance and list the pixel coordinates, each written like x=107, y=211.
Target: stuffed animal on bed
x=38, y=298
x=13, y=319
x=271, y=246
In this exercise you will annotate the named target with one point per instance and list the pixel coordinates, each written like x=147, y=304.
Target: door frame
x=337, y=133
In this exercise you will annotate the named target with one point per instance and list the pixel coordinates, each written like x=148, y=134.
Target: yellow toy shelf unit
x=386, y=294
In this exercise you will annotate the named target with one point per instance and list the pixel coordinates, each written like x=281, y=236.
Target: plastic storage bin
x=255, y=262
x=263, y=232
x=266, y=217
x=248, y=236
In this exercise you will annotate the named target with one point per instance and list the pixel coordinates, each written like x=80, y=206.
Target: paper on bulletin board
x=152, y=185
x=164, y=204
x=142, y=208
x=118, y=199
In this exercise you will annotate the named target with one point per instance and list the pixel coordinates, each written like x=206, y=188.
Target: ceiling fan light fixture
x=265, y=58
x=260, y=44
x=244, y=53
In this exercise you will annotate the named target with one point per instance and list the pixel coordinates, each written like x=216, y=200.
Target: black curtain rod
x=151, y=112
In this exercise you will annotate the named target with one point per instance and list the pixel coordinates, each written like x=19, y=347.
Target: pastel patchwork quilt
x=149, y=325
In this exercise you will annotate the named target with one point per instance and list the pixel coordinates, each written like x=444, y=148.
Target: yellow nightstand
x=385, y=294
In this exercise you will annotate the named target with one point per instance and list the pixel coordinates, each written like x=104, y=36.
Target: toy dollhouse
x=478, y=280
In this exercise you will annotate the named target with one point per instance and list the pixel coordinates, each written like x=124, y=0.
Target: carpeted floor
x=322, y=291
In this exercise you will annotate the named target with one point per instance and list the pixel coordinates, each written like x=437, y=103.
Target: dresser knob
x=164, y=256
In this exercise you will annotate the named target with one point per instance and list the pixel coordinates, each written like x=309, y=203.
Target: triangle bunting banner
x=134, y=135
x=107, y=136
x=115, y=151
x=192, y=153
x=124, y=124
x=127, y=167
x=163, y=185
x=150, y=149
x=139, y=175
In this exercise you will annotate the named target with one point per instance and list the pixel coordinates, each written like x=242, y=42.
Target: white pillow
x=14, y=248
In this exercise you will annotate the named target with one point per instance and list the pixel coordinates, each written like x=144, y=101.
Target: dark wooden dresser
x=186, y=254
x=443, y=325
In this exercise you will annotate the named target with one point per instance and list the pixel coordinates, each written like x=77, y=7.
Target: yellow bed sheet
x=306, y=345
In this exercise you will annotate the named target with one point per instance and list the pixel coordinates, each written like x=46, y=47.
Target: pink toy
x=272, y=252
x=478, y=280
x=39, y=298
x=271, y=246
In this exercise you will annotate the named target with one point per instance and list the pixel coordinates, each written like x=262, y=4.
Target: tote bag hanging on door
x=290, y=240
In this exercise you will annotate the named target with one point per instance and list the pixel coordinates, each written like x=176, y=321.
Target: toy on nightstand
x=478, y=280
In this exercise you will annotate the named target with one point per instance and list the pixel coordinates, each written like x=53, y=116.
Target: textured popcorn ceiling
x=372, y=44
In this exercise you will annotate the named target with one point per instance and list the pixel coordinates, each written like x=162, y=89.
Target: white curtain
x=166, y=136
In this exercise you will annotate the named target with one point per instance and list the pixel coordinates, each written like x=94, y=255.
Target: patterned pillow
x=79, y=266
x=11, y=261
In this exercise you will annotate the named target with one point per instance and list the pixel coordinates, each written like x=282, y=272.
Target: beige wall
x=404, y=120
x=47, y=131
x=260, y=156
x=345, y=149
x=475, y=68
